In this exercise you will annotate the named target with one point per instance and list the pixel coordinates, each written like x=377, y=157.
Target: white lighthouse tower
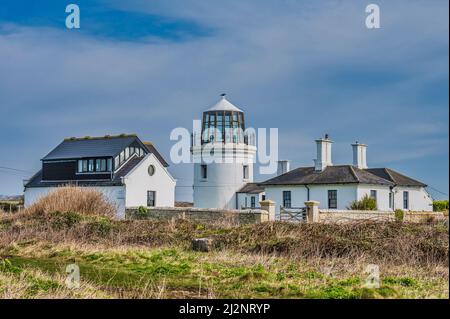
x=223, y=156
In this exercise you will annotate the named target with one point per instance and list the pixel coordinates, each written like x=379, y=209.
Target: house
x=336, y=186
x=249, y=196
x=127, y=171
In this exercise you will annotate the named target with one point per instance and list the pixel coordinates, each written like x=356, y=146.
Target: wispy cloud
x=305, y=67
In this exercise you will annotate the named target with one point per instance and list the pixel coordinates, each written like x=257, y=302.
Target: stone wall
x=339, y=216
x=202, y=215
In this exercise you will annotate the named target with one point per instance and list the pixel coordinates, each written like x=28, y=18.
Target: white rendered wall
x=138, y=182
x=224, y=178
x=382, y=195
x=419, y=199
x=244, y=199
x=299, y=195
x=114, y=194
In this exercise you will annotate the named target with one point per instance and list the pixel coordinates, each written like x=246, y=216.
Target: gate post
x=268, y=206
x=312, y=211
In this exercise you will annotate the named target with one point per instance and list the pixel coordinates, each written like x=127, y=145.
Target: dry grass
x=153, y=259
x=85, y=201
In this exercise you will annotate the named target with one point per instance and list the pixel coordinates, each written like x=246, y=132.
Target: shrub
x=85, y=201
x=142, y=212
x=101, y=227
x=65, y=220
x=399, y=215
x=365, y=203
x=440, y=205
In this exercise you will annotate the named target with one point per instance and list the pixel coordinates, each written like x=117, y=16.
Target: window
x=390, y=200
x=127, y=153
x=116, y=162
x=405, y=200
x=245, y=171
x=263, y=197
x=151, y=170
x=91, y=165
x=94, y=165
x=253, y=202
x=122, y=157
x=373, y=194
x=332, y=199
x=287, y=199
x=151, y=198
x=204, y=171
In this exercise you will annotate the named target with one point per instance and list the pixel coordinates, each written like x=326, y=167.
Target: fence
x=293, y=214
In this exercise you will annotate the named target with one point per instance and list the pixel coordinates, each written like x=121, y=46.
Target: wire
x=436, y=190
x=15, y=169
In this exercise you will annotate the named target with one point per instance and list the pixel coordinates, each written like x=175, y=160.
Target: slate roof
x=338, y=174
x=395, y=177
x=151, y=148
x=90, y=147
x=251, y=188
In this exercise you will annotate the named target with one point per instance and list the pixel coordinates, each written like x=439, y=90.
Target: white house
x=127, y=171
x=336, y=186
x=228, y=163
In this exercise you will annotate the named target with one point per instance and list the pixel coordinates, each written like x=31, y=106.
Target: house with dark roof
x=337, y=186
x=127, y=171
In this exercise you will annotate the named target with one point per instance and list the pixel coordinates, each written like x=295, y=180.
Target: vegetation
x=440, y=205
x=399, y=215
x=365, y=203
x=154, y=259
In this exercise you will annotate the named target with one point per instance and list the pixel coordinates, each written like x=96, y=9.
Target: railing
x=293, y=214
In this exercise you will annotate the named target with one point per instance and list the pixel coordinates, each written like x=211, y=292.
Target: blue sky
x=306, y=67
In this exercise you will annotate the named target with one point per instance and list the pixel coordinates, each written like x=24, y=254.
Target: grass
x=174, y=272
x=154, y=259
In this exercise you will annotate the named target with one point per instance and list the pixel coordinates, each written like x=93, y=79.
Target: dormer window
x=94, y=165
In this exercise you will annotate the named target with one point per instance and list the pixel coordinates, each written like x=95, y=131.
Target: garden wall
x=201, y=215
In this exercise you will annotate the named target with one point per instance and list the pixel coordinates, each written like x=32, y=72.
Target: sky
x=305, y=67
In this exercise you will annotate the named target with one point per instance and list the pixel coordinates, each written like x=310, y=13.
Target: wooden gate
x=293, y=214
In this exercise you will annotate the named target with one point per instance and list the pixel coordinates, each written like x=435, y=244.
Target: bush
x=440, y=205
x=82, y=200
x=365, y=203
x=399, y=215
x=142, y=212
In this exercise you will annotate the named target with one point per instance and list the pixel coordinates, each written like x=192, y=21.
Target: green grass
x=184, y=273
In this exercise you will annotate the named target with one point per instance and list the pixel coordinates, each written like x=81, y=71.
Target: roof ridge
x=354, y=173
x=389, y=174
x=105, y=137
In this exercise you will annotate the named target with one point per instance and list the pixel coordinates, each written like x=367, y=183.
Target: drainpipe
x=307, y=192
x=393, y=196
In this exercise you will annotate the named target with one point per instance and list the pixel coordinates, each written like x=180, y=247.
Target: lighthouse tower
x=223, y=156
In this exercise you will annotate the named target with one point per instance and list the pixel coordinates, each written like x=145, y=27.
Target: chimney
x=359, y=155
x=323, y=153
x=283, y=167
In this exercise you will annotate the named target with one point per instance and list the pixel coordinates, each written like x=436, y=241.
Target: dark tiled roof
x=127, y=167
x=339, y=174
x=395, y=177
x=151, y=148
x=90, y=147
x=36, y=180
x=251, y=188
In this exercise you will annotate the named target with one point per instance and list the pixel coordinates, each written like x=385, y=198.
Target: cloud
x=308, y=68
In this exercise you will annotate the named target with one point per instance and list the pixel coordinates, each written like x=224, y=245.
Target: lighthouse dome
x=224, y=105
